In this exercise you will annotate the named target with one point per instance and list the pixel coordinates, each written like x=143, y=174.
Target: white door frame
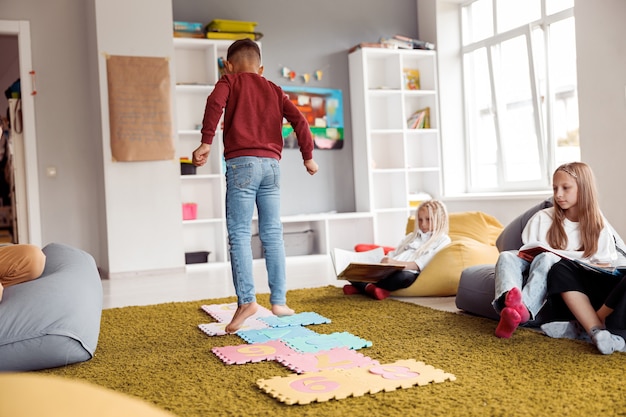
x=30, y=211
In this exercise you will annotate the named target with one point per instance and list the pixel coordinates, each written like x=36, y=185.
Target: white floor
x=202, y=285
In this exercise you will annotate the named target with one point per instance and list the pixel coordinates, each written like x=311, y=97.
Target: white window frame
x=546, y=138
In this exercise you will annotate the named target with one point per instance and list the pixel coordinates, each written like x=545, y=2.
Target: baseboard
x=132, y=274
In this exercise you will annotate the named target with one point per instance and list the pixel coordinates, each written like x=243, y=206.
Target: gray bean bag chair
x=477, y=284
x=54, y=320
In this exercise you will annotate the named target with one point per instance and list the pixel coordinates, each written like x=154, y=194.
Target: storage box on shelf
x=394, y=162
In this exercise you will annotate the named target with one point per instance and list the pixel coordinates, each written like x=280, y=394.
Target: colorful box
x=221, y=25
x=190, y=211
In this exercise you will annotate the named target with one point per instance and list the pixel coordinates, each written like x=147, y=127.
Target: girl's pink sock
x=376, y=292
x=350, y=289
x=509, y=320
x=513, y=299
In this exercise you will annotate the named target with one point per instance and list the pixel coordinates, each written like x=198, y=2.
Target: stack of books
x=188, y=30
x=420, y=119
x=404, y=42
x=232, y=30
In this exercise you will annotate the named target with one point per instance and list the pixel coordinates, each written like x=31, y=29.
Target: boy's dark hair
x=243, y=45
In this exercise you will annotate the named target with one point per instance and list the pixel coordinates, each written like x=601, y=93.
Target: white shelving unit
x=196, y=73
x=394, y=164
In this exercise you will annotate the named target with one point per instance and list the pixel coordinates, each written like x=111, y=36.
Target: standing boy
x=254, y=109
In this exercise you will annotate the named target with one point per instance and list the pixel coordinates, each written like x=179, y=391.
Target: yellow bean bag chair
x=31, y=394
x=473, y=235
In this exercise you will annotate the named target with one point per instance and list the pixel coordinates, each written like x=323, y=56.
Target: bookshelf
x=196, y=72
x=395, y=164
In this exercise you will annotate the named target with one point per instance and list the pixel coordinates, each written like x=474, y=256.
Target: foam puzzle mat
x=339, y=383
x=327, y=366
x=336, y=358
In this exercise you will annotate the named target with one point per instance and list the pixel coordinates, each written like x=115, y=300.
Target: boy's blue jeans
x=249, y=181
x=509, y=273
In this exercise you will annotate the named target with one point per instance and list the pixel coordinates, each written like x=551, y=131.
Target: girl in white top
x=574, y=226
x=429, y=236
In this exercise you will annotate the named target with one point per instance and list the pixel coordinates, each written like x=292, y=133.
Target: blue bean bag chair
x=54, y=320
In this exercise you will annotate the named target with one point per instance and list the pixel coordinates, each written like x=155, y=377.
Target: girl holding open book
x=429, y=236
x=574, y=226
x=586, y=295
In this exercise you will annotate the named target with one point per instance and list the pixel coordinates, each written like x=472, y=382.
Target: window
x=521, y=105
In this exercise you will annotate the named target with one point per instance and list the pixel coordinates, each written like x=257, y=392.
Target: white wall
x=142, y=199
x=601, y=55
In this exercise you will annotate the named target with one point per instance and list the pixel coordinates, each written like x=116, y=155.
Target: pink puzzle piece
x=217, y=329
x=338, y=358
x=255, y=352
x=225, y=312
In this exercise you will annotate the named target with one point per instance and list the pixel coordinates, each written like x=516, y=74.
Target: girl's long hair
x=438, y=222
x=590, y=217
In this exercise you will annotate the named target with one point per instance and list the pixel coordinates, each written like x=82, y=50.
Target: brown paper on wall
x=139, y=108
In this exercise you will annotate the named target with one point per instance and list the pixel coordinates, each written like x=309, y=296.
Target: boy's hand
x=311, y=166
x=201, y=154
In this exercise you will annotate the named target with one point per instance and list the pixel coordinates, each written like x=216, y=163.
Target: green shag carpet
x=158, y=353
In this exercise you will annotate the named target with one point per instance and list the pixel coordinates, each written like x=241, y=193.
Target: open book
x=361, y=266
x=530, y=250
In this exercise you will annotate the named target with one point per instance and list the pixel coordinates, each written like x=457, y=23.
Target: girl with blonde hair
x=574, y=226
x=576, y=292
x=416, y=249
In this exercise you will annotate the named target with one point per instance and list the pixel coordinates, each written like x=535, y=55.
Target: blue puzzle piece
x=319, y=342
x=300, y=319
x=274, y=333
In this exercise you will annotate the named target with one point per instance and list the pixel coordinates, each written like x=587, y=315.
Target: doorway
x=24, y=221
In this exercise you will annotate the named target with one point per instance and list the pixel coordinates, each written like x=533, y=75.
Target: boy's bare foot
x=243, y=312
x=282, y=310
x=1, y=291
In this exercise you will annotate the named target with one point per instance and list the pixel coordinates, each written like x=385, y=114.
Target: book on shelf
x=188, y=30
x=361, y=266
x=369, y=45
x=404, y=42
x=411, y=78
x=193, y=35
x=532, y=249
x=396, y=43
x=415, y=43
x=420, y=119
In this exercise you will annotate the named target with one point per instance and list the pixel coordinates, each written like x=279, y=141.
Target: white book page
x=342, y=258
